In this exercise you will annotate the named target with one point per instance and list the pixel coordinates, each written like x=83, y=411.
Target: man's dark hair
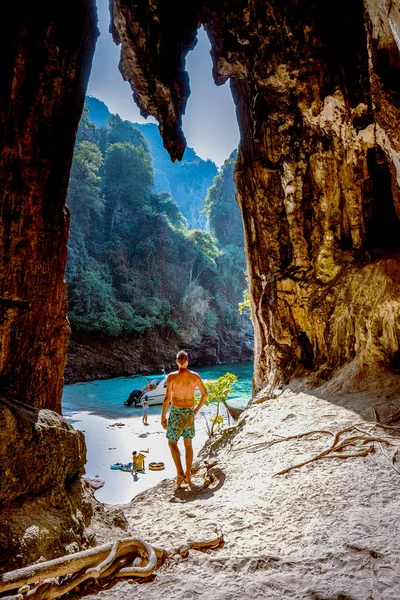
x=182, y=357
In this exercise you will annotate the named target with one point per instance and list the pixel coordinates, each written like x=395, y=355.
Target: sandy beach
x=113, y=431
x=112, y=440
x=326, y=531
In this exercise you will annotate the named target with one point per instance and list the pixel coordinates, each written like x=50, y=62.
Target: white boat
x=150, y=388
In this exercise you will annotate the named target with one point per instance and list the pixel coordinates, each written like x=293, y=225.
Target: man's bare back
x=182, y=386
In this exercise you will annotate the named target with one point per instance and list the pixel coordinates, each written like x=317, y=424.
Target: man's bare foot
x=188, y=478
x=179, y=480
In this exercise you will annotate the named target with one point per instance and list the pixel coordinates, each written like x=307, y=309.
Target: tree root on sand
x=363, y=441
x=123, y=558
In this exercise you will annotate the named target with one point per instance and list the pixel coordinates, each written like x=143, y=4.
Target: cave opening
x=306, y=351
x=162, y=264
x=156, y=247
x=383, y=225
x=396, y=360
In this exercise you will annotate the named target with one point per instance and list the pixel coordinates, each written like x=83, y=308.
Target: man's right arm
x=204, y=395
x=167, y=400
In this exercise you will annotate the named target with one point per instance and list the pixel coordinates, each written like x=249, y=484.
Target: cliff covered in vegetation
x=187, y=181
x=138, y=276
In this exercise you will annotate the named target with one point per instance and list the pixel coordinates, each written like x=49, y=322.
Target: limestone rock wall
x=44, y=507
x=318, y=169
x=46, y=52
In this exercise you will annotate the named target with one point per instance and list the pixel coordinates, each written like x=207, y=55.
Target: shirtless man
x=181, y=386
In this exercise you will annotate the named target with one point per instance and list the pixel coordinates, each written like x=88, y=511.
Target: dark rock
x=92, y=358
x=44, y=505
x=39, y=450
x=47, y=51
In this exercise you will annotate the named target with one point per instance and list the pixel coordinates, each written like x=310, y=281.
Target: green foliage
x=133, y=263
x=127, y=182
x=124, y=131
x=245, y=306
x=84, y=192
x=87, y=129
x=94, y=304
x=219, y=389
x=167, y=206
x=218, y=392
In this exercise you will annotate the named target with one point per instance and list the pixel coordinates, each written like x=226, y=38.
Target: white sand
x=328, y=531
x=108, y=443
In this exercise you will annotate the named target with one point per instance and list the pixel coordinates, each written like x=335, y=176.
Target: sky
x=209, y=125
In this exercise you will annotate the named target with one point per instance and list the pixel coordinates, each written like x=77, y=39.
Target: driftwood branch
x=57, y=577
x=266, y=445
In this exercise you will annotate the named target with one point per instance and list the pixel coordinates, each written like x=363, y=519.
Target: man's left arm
x=204, y=395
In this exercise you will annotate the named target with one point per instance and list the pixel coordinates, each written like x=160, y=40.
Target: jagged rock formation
x=46, y=56
x=43, y=504
x=91, y=358
x=318, y=169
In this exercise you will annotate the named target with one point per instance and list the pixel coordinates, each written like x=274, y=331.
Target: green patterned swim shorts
x=180, y=423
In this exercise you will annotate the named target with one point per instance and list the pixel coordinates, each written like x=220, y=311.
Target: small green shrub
x=218, y=392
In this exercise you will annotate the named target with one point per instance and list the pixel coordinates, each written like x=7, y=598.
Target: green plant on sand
x=218, y=391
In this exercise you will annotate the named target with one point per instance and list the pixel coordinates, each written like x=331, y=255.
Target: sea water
x=106, y=398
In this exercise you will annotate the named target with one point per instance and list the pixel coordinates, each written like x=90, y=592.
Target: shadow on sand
x=213, y=482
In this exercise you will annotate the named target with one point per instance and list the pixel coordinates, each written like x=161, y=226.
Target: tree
x=221, y=207
x=125, y=131
x=92, y=300
x=128, y=179
x=164, y=204
x=84, y=193
x=87, y=131
x=205, y=255
x=245, y=305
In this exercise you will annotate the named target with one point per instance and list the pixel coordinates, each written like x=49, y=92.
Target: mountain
x=98, y=111
x=187, y=181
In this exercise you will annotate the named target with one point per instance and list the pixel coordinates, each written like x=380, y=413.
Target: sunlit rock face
x=317, y=93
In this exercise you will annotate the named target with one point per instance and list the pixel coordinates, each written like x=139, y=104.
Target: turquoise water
x=106, y=398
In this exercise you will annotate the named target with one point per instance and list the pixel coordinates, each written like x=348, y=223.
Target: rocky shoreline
x=91, y=358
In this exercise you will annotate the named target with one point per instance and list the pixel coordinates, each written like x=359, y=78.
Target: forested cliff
x=138, y=276
x=187, y=181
